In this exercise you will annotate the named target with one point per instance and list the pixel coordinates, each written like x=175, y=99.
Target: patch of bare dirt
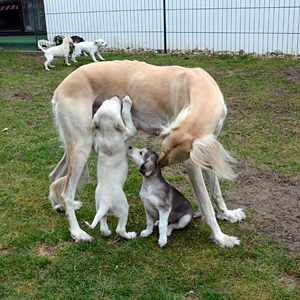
x=293, y=74
x=47, y=251
x=271, y=199
x=290, y=281
x=34, y=53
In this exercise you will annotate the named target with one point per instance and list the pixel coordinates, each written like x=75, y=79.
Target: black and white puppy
x=77, y=39
x=161, y=200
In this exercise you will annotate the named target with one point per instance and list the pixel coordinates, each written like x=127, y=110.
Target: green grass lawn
x=39, y=259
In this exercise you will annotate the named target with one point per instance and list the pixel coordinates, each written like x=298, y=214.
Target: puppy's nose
x=130, y=147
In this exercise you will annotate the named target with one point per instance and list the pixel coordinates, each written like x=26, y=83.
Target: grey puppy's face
x=144, y=159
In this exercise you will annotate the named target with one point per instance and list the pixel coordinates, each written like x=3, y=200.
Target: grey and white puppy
x=161, y=200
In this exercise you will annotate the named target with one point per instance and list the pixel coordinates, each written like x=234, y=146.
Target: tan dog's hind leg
x=232, y=216
x=203, y=201
x=77, y=161
x=78, y=140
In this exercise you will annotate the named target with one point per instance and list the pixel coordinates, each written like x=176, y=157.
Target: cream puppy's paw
x=127, y=102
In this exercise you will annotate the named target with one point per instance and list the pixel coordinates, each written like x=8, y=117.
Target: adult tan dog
x=190, y=97
x=60, y=51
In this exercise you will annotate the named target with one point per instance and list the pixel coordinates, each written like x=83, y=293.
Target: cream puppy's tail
x=209, y=154
x=99, y=215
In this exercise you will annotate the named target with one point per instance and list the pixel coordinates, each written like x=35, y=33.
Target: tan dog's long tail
x=209, y=154
x=57, y=187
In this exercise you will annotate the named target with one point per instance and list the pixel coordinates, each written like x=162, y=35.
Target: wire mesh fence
x=166, y=25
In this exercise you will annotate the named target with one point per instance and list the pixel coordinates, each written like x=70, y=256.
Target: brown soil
x=272, y=201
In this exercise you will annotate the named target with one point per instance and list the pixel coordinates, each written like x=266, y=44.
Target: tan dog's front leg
x=232, y=216
x=208, y=214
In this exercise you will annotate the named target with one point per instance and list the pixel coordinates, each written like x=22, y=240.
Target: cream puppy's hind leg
x=48, y=62
x=121, y=212
x=121, y=231
x=104, y=227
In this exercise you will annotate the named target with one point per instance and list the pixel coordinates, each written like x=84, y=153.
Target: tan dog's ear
x=120, y=125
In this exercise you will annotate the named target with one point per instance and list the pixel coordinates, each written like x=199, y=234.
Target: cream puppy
x=112, y=166
x=60, y=51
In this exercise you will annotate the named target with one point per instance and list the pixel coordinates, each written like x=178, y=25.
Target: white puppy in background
x=112, y=166
x=60, y=51
x=92, y=48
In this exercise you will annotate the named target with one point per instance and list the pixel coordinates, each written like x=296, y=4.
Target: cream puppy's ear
x=120, y=125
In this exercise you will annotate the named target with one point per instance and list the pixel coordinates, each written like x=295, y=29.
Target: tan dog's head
x=186, y=139
x=177, y=144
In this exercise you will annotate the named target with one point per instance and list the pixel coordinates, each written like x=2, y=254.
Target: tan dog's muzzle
x=163, y=160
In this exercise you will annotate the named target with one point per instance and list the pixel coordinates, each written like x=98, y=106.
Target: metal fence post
x=165, y=27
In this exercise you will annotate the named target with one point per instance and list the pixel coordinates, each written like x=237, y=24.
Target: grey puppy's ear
x=147, y=167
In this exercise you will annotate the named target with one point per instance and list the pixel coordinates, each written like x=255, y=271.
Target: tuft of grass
x=38, y=258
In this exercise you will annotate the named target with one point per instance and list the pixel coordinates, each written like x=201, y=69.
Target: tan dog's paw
x=77, y=205
x=233, y=216
x=225, y=241
x=81, y=236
